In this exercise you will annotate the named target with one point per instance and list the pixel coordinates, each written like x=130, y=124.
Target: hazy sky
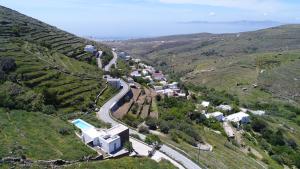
x=149, y=17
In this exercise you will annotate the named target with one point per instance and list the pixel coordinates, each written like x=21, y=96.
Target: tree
x=151, y=123
x=258, y=125
x=128, y=146
x=7, y=64
x=164, y=127
x=143, y=129
x=152, y=139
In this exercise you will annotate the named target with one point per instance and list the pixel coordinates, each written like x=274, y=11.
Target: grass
x=51, y=59
x=106, y=95
x=36, y=136
x=123, y=163
x=220, y=157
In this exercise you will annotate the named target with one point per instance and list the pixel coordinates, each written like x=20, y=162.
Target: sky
x=145, y=18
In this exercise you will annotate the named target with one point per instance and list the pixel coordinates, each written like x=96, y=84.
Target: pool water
x=81, y=124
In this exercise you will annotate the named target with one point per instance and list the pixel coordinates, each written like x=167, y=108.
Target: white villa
x=89, y=48
x=109, y=140
x=217, y=115
x=238, y=117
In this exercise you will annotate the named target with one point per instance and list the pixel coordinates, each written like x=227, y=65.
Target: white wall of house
x=111, y=145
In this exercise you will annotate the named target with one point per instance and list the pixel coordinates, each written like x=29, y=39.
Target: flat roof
x=116, y=129
x=237, y=116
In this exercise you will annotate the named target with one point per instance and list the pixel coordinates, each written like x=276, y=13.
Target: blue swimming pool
x=82, y=124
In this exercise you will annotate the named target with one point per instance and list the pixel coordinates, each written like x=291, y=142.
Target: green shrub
x=152, y=139
x=152, y=123
x=143, y=129
x=64, y=131
x=164, y=127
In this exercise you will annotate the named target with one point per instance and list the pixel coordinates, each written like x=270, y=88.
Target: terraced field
x=51, y=61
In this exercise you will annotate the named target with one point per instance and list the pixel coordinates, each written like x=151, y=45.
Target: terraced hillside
x=46, y=78
x=226, y=59
x=51, y=61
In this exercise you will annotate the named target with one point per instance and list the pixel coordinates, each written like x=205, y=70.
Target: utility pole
x=198, y=154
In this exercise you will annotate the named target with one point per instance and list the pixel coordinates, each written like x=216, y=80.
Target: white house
x=89, y=48
x=258, y=112
x=109, y=140
x=217, y=115
x=135, y=74
x=157, y=88
x=205, y=103
x=145, y=72
x=173, y=85
x=108, y=143
x=224, y=107
x=238, y=117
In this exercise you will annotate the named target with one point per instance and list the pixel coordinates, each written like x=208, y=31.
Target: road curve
x=104, y=115
x=112, y=62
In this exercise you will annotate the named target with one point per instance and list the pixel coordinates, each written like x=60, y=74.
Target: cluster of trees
x=141, y=81
x=280, y=147
x=174, y=120
x=6, y=65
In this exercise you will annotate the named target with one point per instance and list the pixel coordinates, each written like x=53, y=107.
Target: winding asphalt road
x=112, y=62
x=104, y=115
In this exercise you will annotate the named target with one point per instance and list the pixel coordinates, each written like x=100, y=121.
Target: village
x=145, y=84
x=161, y=86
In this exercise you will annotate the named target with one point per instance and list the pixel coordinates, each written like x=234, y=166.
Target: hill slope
x=45, y=79
x=50, y=61
x=232, y=60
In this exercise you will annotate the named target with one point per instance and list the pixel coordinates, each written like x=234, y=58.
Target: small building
x=226, y=108
x=158, y=76
x=90, y=48
x=116, y=83
x=136, y=60
x=239, y=117
x=145, y=72
x=156, y=88
x=127, y=57
x=173, y=85
x=135, y=73
x=217, y=115
x=205, y=103
x=180, y=94
x=258, y=112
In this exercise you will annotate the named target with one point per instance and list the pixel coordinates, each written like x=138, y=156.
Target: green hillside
x=46, y=78
x=50, y=61
x=222, y=61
